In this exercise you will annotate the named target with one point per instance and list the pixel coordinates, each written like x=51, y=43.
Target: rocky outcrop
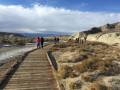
x=104, y=29
x=117, y=26
x=110, y=27
x=109, y=33
x=109, y=38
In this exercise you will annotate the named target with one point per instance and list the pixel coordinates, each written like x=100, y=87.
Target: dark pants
x=42, y=44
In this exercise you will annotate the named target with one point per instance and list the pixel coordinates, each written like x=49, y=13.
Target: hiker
x=42, y=42
x=58, y=40
x=55, y=39
x=38, y=42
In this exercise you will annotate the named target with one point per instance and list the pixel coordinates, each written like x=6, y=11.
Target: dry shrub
x=85, y=65
x=97, y=86
x=109, y=68
x=98, y=43
x=64, y=72
x=60, y=45
x=54, y=49
x=75, y=85
x=72, y=57
x=117, y=34
x=64, y=45
x=87, y=78
x=106, y=67
x=20, y=42
x=88, y=49
x=81, y=58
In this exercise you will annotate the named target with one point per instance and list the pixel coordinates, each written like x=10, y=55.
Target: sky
x=34, y=16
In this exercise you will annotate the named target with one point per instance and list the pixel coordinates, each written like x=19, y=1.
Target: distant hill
x=2, y=34
x=13, y=39
x=45, y=34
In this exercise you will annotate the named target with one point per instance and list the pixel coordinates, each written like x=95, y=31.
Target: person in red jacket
x=38, y=41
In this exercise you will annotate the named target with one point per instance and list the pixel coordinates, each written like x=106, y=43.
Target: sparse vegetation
x=64, y=72
x=90, y=62
x=14, y=39
x=75, y=85
x=61, y=45
x=86, y=65
x=118, y=34
x=97, y=86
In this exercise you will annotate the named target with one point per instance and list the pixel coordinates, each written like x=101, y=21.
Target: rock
x=108, y=38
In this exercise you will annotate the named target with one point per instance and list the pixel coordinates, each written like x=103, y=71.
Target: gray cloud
x=14, y=18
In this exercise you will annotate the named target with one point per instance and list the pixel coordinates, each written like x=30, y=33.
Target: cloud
x=16, y=18
x=83, y=4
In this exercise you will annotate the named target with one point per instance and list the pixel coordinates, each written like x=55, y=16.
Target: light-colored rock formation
x=105, y=28
x=109, y=33
x=112, y=38
x=117, y=26
x=79, y=35
x=108, y=38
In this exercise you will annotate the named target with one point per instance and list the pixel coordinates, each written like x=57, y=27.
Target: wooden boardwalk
x=34, y=73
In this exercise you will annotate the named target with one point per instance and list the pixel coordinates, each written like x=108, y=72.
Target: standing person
x=55, y=39
x=38, y=42
x=58, y=40
x=42, y=42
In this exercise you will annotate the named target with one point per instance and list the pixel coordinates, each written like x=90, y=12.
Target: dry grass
x=106, y=68
x=92, y=57
x=72, y=57
x=85, y=65
x=75, y=85
x=87, y=78
x=96, y=86
x=61, y=45
x=64, y=72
